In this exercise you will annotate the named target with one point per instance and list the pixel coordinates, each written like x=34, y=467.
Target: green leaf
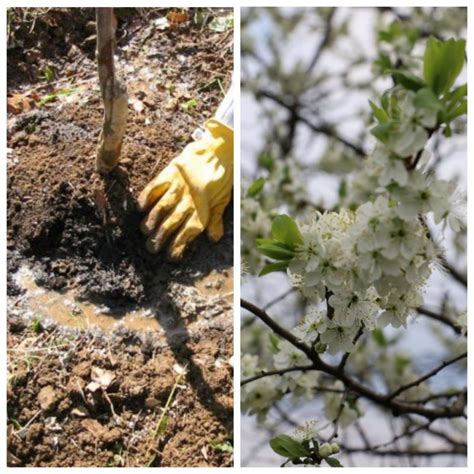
x=407, y=80
x=274, y=342
x=284, y=229
x=384, y=63
x=274, y=267
x=379, y=337
x=426, y=99
x=379, y=113
x=333, y=462
x=342, y=189
x=63, y=92
x=222, y=23
x=461, y=109
x=223, y=447
x=382, y=131
x=275, y=251
x=161, y=429
x=265, y=160
x=189, y=105
x=442, y=63
x=401, y=362
x=458, y=93
x=48, y=74
x=288, y=447
x=255, y=187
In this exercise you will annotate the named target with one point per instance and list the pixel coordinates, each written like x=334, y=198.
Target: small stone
x=151, y=403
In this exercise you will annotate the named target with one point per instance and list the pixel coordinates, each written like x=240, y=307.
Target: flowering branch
x=397, y=407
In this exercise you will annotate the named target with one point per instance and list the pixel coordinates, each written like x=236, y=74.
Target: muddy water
x=65, y=309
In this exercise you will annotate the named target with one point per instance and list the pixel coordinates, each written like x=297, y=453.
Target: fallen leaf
x=175, y=18
x=20, y=103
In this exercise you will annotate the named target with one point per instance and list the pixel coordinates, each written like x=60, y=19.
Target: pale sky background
x=419, y=339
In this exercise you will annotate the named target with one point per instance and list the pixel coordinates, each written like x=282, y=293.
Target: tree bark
x=114, y=94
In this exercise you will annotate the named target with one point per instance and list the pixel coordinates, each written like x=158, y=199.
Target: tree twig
x=427, y=376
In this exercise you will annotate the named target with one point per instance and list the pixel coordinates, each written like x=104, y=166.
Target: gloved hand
x=191, y=193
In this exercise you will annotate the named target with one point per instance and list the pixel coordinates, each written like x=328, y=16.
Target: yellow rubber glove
x=191, y=193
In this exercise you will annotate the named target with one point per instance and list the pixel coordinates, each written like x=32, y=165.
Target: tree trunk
x=114, y=94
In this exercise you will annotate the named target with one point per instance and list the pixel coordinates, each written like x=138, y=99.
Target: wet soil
x=78, y=236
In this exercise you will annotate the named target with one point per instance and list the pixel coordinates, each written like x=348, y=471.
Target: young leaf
x=379, y=113
x=379, y=337
x=284, y=229
x=274, y=267
x=461, y=109
x=255, y=187
x=426, y=99
x=265, y=160
x=458, y=93
x=333, y=462
x=407, y=80
x=275, y=251
x=274, y=342
x=288, y=447
x=382, y=131
x=442, y=63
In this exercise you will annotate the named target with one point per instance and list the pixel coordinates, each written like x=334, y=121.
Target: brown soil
x=81, y=232
x=57, y=419
x=84, y=230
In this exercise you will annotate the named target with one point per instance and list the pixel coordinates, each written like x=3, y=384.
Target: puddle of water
x=63, y=308
x=217, y=284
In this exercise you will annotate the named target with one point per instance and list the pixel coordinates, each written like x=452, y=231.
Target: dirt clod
x=48, y=398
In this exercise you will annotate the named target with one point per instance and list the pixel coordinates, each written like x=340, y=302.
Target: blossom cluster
x=371, y=264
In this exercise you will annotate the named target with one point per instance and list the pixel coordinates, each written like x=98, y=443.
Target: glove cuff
x=219, y=129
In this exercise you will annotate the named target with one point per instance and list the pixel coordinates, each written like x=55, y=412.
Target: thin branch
x=436, y=396
x=325, y=129
x=427, y=376
x=278, y=299
x=276, y=327
x=336, y=419
x=403, y=435
x=265, y=373
x=324, y=42
x=407, y=452
x=458, y=276
x=345, y=357
x=398, y=407
x=440, y=318
x=362, y=434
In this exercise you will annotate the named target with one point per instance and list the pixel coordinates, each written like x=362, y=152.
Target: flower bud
x=325, y=450
x=320, y=347
x=334, y=448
